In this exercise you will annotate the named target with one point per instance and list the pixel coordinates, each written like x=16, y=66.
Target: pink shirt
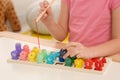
x=90, y=20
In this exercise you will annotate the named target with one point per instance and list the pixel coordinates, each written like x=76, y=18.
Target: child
x=94, y=26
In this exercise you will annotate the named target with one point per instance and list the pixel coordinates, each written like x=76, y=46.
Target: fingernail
x=63, y=57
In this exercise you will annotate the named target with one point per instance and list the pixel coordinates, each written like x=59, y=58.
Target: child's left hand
x=78, y=50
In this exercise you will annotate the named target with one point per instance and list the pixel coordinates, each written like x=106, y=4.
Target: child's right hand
x=79, y=50
x=48, y=16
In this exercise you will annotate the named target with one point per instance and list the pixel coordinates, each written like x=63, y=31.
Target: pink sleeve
x=115, y=4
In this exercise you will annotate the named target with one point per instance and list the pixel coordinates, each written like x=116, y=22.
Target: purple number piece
x=18, y=48
x=14, y=55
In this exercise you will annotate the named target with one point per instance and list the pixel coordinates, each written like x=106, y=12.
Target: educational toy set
x=54, y=59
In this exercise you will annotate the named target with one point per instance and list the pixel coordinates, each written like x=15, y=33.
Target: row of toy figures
x=24, y=53
x=36, y=55
x=96, y=63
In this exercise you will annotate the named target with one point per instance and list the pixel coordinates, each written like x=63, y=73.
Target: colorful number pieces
x=56, y=57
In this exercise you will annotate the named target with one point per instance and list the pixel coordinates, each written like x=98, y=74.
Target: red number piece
x=88, y=64
x=95, y=59
x=99, y=65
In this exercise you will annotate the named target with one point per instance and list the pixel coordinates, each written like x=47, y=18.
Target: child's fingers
x=66, y=55
x=41, y=4
x=44, y=16
x=68, y=52
x=69, y=48
x=81, y=55
x=45, y=3
x=41, y=7
x=74, y=52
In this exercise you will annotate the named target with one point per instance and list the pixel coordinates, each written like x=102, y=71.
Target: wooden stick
x=38, y=18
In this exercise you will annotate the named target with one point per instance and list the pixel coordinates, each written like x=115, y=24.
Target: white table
x=12, y=71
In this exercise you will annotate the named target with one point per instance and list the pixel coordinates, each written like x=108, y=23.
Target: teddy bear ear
x=12, y=17
x=2, y=18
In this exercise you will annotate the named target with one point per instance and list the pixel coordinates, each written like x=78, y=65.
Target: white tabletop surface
x=12, y=71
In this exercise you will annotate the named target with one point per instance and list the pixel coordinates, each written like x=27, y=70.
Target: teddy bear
x=7, y=12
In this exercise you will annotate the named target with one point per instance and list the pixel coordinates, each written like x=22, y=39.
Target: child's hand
x=78, y=50
x=48, y=16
